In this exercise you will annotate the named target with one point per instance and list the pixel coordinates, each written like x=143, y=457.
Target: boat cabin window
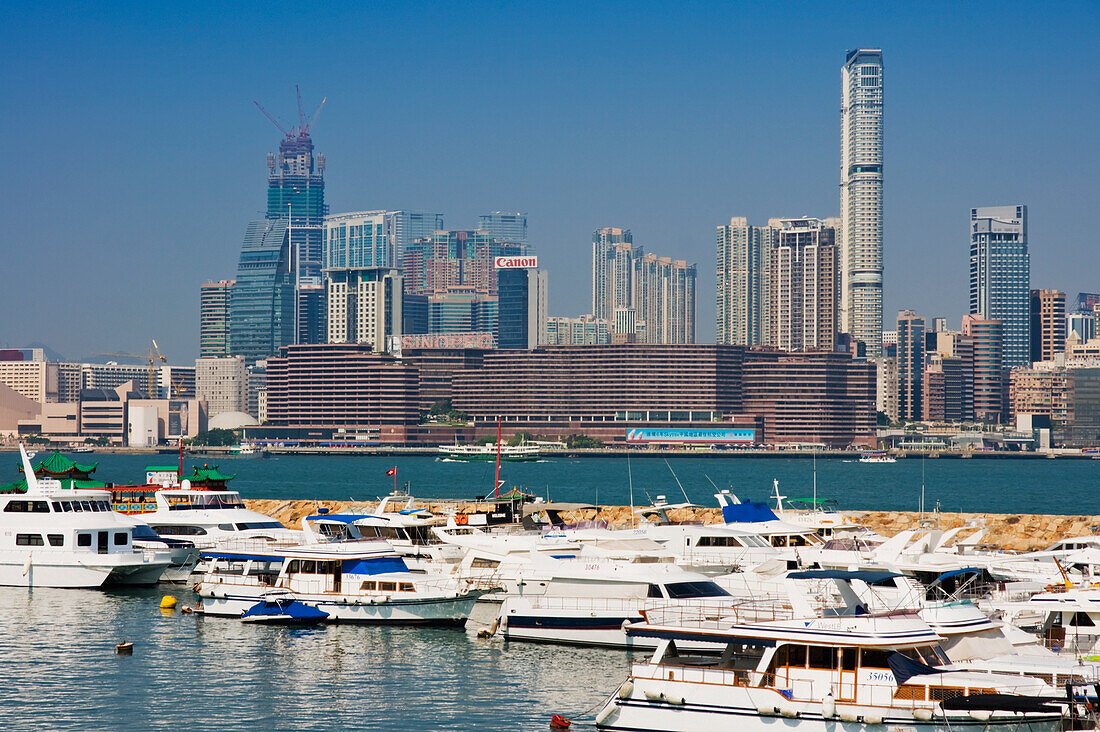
x=226, y=527
x=790, y=655
x=655, y=591
x=120, y=538
x=874, y=658
x=368, y=585
x=930, y=655
x=718, y=541
x=680, y=590
x=27, y=507
x=259, y=525
x=311, y=566
x=56, y=539
x=83, y=539
x=29, y=540
x=785, y=540
x=387, y=586
x=180, y=530
x=1080, y=620
x=407, y=587
x=483, y=563
x=202, y=500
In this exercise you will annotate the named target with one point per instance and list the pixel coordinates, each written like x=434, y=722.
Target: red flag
x=392, y=471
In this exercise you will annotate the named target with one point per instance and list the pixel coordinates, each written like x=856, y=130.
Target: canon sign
x=517, y=262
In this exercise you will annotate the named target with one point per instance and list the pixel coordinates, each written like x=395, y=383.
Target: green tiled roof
x=210, y=474
x=20, y=486
x=161, y=468
x=58, y=464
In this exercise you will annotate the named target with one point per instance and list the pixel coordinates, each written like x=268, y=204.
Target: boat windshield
x=684, y=590
x=141, y=531
x=204, y=501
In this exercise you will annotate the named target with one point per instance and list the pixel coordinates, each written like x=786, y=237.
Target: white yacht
x=851, y=673
x=54, y=537
x=210, y=518
x=350, y=581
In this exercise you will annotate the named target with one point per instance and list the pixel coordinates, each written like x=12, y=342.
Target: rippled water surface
x=60, y=671
x=1002, y=485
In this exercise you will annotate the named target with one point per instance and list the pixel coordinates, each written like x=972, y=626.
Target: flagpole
x=496, y=487
x=395, y=480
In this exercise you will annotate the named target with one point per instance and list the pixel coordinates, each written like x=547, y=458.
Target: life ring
x=462, y=519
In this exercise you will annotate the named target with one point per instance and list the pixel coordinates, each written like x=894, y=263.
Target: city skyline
x=189, y=156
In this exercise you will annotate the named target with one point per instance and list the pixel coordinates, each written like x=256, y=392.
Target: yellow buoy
x=168, y=603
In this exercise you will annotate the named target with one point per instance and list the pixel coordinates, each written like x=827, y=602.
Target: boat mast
x=496, y=486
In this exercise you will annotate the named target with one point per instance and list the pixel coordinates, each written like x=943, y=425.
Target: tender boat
x=354, y=581
x=282, y=608
x=56, y=537
x=866, y=672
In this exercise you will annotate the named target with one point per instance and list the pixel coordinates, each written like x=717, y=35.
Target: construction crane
x=151, y=357
x=303, y=128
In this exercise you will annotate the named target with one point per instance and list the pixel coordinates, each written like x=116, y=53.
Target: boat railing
x=718, y=615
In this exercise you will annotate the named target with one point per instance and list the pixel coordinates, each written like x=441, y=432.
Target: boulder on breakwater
x=1017, y=532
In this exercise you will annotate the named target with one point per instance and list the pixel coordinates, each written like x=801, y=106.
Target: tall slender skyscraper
x=860, y=310
x=803, y=286
x=214, y=318
x=610, y=246
x=910, y=364
x=1000, y=276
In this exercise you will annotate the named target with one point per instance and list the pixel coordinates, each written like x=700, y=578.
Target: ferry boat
x=56, y=537
x=488, y=453
x=866, y=672
x=353, y=582
x=876, y=456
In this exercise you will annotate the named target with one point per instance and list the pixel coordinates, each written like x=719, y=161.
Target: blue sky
x=135, y=157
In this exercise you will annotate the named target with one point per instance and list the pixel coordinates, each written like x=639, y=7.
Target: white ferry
x=488, y=453
x=826, y=674
x=55, y=537
x=353, y=582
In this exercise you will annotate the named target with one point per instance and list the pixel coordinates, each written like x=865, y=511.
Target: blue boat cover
x=294, y=610
x=748, y=512
x=381, y=565
x=956, y=573
x=869, y=576
x=905, y=668
x=346, y=518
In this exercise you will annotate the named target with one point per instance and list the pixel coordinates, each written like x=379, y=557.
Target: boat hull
x=654, y=705
x=434, y=611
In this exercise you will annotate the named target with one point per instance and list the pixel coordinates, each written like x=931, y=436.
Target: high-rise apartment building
x=214, y=318
x=988, y=375
x=1047, y=324
x=223, y=383
x=1000, y=271
x=587, y=330
x=860, y=308
x=663, y=299
x=612, y=267
x=744, y=283
x=804, y=286
x=262, y=301
x=454, y=259
x=364, y=305
x=910, y=365
x=504, y=226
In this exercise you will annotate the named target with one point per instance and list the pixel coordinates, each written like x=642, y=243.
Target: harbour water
x=1001, y=485
x=187, y=672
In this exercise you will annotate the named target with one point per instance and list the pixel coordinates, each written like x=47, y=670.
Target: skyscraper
x=1048, y=324
x=804, y=286
x=910, y=365
x=374, y=238
x=504, y=226
x=214, y=318
x=860, y=235
x=988, y=378
x=296, y=190
x=611, y=249
x=1000, y=273
x=261, y=302
x=449, y=259
x=663, y=299
x=744, y=283
x=521, y=307
x=364, y=305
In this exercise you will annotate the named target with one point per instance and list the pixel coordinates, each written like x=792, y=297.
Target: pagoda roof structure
x=209, y=477
x=59, y=466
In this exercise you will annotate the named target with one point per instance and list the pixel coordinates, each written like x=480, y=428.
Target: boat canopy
x=342, y=518
x=381, y=565
x=747, y=512
x=291, y=609
x=870, y=576
x=904, y=668
x=955, y=573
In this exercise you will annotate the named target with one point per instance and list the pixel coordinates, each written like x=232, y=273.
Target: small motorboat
x=283, y=609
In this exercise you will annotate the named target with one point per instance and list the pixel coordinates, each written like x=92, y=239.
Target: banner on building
x=517, y=262
x=708, y=436
x=472, y=339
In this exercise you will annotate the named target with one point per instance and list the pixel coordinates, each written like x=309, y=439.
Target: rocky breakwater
x=1016, y=532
